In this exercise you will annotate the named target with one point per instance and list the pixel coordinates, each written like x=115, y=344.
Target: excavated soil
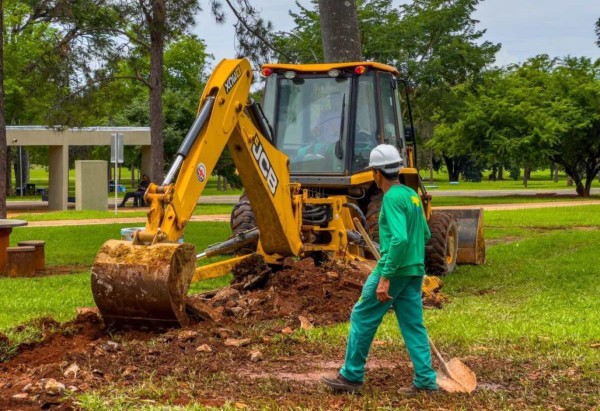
x=242, y=335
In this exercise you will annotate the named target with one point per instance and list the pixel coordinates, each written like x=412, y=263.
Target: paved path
x=225, y=217
x=38, y=205
x=500, y=193
x=521, y=206
x=123, y=220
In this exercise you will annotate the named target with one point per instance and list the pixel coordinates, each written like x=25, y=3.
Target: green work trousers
x=368, y=313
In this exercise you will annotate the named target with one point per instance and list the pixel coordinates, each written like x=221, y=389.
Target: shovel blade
x=459, y=377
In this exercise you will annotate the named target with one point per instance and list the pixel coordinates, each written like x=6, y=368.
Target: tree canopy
x=528, y=115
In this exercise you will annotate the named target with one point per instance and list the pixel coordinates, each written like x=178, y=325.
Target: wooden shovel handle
x=440, y=358
x=367, y=239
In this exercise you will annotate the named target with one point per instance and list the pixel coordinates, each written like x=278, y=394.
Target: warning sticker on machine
x=201, y=172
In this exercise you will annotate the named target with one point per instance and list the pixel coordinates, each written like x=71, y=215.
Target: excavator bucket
x=471, y=244
x=143, y=285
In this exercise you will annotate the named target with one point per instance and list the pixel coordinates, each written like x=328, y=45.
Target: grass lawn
x=201, y=209
x=39, y=177
x=540, y=180
x=442, y=201
x=527, y=319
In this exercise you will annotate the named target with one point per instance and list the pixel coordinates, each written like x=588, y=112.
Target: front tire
x=242, y=219
x=441, y=251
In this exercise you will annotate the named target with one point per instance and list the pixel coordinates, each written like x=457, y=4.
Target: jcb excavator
x=303, y=161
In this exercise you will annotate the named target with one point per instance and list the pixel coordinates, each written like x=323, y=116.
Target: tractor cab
x=327, y=117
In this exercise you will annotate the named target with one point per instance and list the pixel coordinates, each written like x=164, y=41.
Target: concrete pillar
x=58, y=185
x=147, y=161
x=91, y=185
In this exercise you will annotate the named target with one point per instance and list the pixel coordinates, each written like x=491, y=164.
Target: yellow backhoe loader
x=303, y=161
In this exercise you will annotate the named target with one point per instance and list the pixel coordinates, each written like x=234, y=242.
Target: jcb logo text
x=264, y=165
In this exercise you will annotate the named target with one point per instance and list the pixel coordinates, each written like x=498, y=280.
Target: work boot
x=340, y=384
x=413, y=390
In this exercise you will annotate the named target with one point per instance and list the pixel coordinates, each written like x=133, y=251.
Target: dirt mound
x=237, y=326
x=322, y=294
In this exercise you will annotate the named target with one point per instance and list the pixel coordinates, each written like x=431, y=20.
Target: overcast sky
x=525, y=28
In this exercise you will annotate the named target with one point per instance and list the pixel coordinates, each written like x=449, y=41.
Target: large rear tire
x=242, y=219
x=441, y=251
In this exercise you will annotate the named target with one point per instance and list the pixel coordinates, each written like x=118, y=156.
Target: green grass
x=533, y=304
x=538, y=289
x=78, y=245
x=201, y=209
x=551, y=297
x=39, y=177
x=55, y=296
x=24, y=299
x=540, y=180
x=442, y=201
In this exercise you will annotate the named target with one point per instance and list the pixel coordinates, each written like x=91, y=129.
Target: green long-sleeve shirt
x=403, y=232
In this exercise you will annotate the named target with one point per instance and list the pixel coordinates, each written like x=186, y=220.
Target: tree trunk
x=501, y=173
x=339, y=30
x=157, y=38
x=580, y=189
x=3, y=156
x=556, y=174
x=430, y=166
x=453, y=169
x=590, y=174
x=588, y=187
x=526, y=175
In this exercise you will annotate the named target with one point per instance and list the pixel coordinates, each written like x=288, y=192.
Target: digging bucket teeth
x=471, y=244
x=143, y=285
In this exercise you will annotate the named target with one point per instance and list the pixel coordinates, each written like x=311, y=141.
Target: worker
x=395, y=282
x=137, y=195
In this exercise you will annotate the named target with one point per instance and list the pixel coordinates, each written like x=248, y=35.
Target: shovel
x=454, y=375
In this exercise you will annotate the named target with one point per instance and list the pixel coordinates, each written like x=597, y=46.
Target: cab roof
x=325, y=67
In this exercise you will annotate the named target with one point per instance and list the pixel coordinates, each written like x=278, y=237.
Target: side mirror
x=409, y=134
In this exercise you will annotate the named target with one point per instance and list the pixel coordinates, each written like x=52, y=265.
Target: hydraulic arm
x=146, y=280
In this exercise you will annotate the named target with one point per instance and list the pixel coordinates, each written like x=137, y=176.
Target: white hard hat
x=386, y=157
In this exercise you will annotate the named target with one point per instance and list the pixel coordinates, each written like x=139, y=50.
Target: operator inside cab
x=327, y=130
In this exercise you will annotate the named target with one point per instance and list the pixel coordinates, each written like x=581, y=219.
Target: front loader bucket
x=140, y=285
x=471, y=244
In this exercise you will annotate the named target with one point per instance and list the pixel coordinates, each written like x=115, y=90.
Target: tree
x=545, y=109
x=3, y=156
x=115, y=32
x=494, y=124
x=147, y=24
x=576, y=83
x=339, y=30
x=434, y=43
